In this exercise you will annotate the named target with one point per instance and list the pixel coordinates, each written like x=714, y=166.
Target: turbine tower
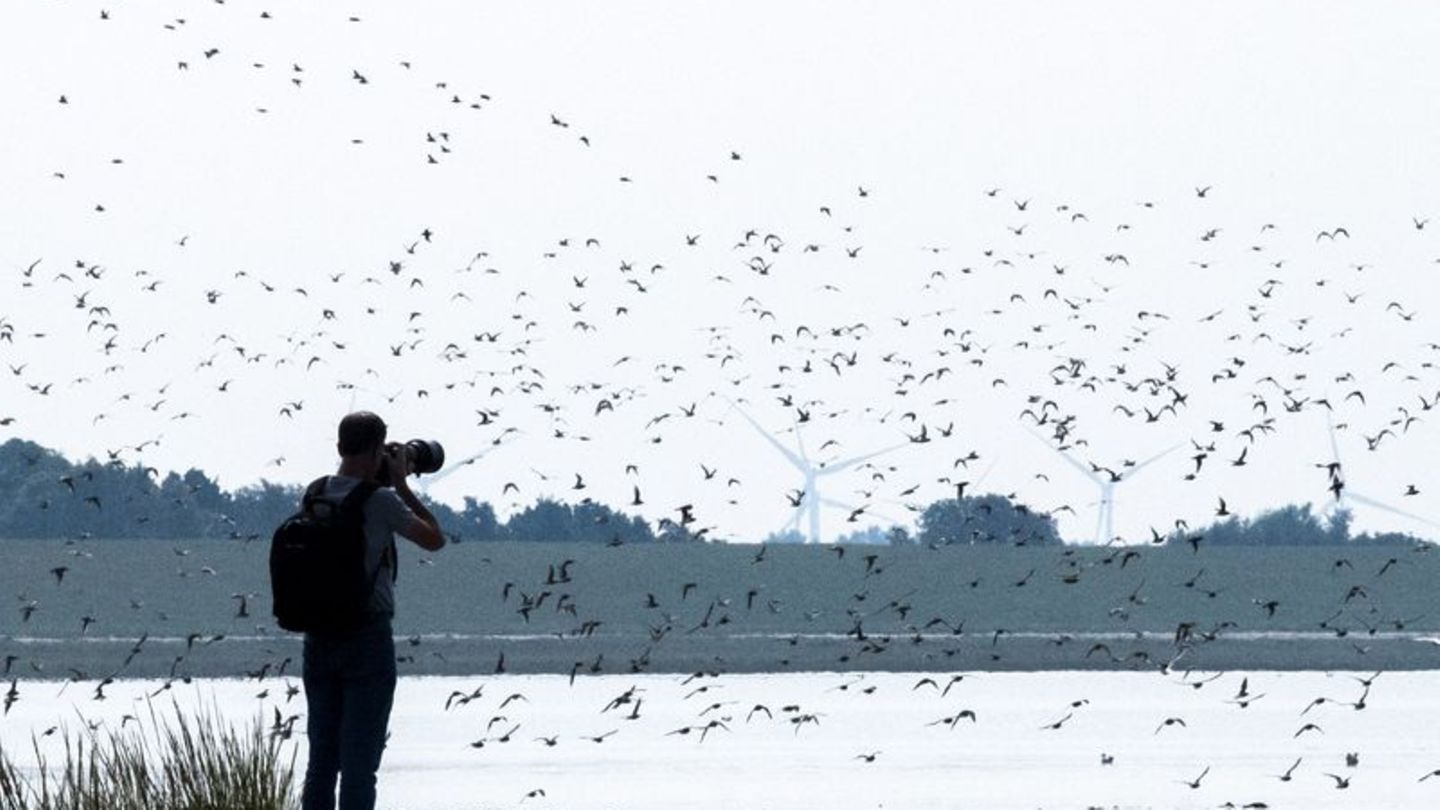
x=1105, y=511
x=1347, y=496
x=810, y=499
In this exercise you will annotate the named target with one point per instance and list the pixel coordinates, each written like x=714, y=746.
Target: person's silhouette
x=350, y=677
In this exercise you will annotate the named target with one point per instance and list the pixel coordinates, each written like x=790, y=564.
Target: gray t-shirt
x=385, y=513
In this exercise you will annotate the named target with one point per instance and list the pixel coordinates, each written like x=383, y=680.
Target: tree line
x=45, y=495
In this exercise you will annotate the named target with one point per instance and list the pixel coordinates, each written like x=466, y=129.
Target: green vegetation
x=189, y=763
x=986, y=519
x=45, y=496
x=1292, y=525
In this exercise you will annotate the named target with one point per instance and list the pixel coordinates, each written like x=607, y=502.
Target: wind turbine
x=1347, y=496
x=810, y=499
x=1105, y=511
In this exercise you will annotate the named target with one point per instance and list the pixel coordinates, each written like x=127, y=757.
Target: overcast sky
x=244, y=200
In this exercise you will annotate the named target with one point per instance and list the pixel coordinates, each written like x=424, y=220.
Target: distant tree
x=543, y=521
x=1338, y=527
x=552, y=521
x=477, y=522
x=876, y=535
x=787, y=536
x=1387, y=539
x=204, y=492
x=985, y=519
x=261, y=507
x=630, y=529
x=673, y=532
x=1290, y=525
x=44, y=495
x=899, y=536
x=597, y=523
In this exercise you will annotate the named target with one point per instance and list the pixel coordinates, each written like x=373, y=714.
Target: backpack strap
x=313, y=492
x=355, y=500
x=352, y=508
x=352, y=504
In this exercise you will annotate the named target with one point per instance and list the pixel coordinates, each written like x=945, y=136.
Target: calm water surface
x=1036, y=741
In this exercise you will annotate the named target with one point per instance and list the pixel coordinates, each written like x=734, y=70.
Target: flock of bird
x=578, y=345
x=1087, y=356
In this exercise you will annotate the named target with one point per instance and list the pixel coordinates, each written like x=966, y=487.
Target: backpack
x=318, y=582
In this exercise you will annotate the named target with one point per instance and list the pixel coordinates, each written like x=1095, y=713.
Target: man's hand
x=398, y=464
x=422, y=527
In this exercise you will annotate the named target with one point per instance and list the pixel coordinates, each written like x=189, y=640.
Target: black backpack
x=318, y=582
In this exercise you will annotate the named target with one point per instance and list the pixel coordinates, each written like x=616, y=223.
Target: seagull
x=1195, y=783
x=1289, y=772
x=1170, y=721
x=953, y=720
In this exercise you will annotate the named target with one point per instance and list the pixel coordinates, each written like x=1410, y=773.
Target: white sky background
x=1301, y=116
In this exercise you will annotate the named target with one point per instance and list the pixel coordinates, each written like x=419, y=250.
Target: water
x=1024, y=645
x=1006, y=758
x=795, y=610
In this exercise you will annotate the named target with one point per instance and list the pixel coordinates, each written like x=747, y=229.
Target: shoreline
x=260, y=658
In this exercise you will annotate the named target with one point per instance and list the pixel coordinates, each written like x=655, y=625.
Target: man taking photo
x=350, y=675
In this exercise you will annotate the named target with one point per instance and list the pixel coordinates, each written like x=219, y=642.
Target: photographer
x=350, y=677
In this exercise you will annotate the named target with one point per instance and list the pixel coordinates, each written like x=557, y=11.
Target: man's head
x=361, y=434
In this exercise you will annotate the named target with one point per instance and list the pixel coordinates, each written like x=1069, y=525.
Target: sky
x=230, y=211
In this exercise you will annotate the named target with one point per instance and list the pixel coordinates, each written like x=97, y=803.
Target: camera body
x=425, y=456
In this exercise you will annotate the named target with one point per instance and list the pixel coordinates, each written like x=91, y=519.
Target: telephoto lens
x=426, y=456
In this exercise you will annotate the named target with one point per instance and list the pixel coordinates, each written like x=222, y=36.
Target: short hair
x=361, y=432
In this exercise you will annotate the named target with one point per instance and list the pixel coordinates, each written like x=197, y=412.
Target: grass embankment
x=195, y=763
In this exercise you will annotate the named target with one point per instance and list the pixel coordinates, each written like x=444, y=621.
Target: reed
x=177, y=762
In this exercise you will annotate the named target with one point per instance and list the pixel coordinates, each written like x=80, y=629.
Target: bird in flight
x=1194, y=784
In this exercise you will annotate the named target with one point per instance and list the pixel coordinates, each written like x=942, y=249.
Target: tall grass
x=191, y=762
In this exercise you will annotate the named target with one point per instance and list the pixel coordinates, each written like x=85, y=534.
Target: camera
x=425, y=456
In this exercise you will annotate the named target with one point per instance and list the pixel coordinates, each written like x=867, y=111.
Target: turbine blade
x=784, y=451
x=1385, y=507
x=869, y=510
x=1150, y=460
x=852, y=461
x=978, y=481
x=1069, y=459
x=886, y=516
x=450, y=469
x=793, y=523
x=799, y=440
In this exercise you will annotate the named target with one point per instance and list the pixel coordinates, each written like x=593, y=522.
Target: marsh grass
x=184, y=762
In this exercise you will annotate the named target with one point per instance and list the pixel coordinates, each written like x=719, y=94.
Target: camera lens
x=426, y=456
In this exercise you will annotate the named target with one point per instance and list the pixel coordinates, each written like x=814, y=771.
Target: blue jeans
x=349, y=688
